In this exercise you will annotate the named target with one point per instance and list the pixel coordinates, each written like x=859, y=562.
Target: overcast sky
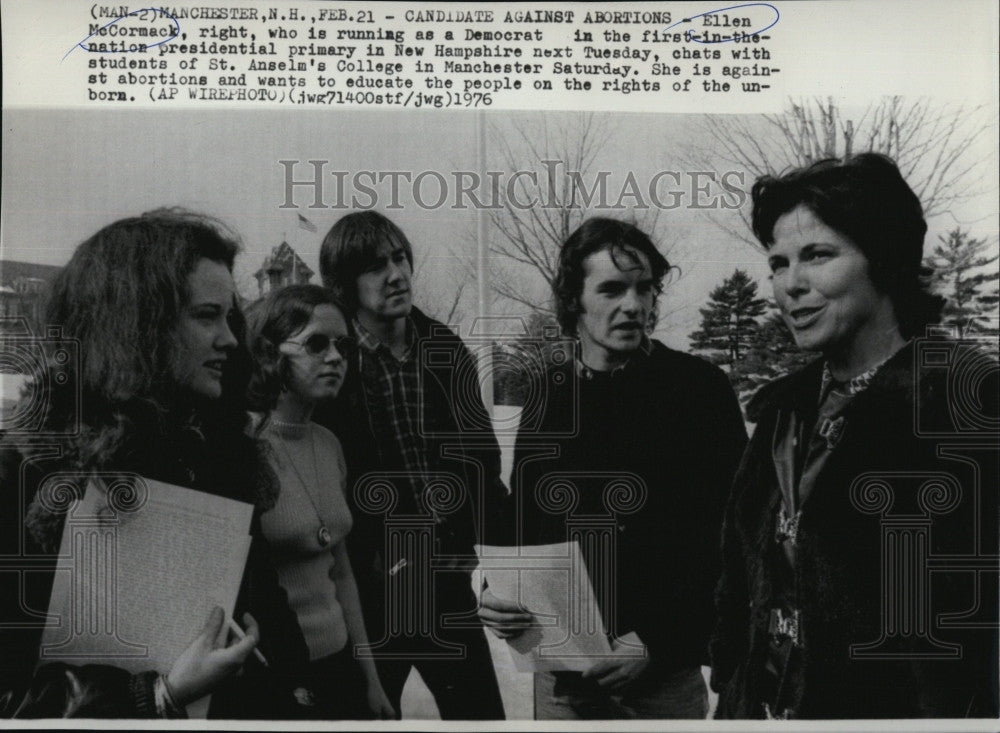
x=66, y=173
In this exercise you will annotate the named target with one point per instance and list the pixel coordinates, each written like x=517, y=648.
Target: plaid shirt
x=392, y=395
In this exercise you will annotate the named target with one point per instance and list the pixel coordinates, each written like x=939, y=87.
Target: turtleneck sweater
x=309, y=463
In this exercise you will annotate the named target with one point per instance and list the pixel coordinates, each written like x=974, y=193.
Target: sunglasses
x=319, y=345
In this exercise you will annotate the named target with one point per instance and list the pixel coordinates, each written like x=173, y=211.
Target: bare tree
x=440, y=284
x=555, y=155
x=444, y=309
x=930, y=144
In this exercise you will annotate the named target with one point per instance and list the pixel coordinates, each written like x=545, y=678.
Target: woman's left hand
x=378, y=703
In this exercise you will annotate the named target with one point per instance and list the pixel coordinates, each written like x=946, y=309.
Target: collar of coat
x=637, y=359
x=419, y=325
x=426, y=327
x=894, y=381
x=351, y=400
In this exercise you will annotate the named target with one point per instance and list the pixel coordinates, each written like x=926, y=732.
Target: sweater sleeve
x=728, y=644
x=494, y=496
x=90, y=691
x=714, y=445
x=535, y=454
x=731, y=607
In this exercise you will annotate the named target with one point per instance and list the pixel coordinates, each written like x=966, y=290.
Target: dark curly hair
x=865, y=198
x=591, y=236
x=272, y=320
x=120, y=298
x=121, y=295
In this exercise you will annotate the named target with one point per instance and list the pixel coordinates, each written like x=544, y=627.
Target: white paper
x=134, y=588
x=550, y=582
x=72, y=165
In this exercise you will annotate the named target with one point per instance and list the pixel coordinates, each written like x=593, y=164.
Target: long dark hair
x=120, y=298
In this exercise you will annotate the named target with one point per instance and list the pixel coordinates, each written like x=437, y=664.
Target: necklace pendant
x=323, y=535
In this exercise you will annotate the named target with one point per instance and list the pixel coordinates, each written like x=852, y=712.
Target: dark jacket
x=886, y=483
x=31, y=533
x=462, y=445
x=668, y=425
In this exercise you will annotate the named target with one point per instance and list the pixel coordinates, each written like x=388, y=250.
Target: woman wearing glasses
x=300, y=343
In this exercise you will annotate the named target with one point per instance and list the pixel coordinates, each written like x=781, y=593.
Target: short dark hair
x=351, y=248
x=591, y=236
x=271, y=321
x=865, y=198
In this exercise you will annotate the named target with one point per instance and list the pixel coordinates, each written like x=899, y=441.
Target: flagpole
x=301, y=223
x=482, y=267
x=295, y=252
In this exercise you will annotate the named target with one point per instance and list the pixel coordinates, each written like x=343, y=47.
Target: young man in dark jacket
x=640, y=484
x=419, y=482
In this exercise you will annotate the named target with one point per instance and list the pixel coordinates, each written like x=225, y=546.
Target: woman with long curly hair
x=159, y=392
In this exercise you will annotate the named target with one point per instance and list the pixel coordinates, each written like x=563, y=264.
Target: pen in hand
x=235, y=628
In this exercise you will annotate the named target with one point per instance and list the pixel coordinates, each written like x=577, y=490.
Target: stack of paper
x=550, y=582
x=136, y=580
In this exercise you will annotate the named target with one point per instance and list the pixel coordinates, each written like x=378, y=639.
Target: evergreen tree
x=959, y=264
x=776, y=352
x=729, y=325
x=522, y=358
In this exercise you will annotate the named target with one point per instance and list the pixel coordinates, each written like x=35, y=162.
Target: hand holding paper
x=504, y=618
x=555, y=623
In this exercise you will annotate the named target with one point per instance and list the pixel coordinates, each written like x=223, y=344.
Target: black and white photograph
x=647, y=368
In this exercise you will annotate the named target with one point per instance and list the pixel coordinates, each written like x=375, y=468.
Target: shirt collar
x=373, y=345
x=585, y=372
x=854, y=386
